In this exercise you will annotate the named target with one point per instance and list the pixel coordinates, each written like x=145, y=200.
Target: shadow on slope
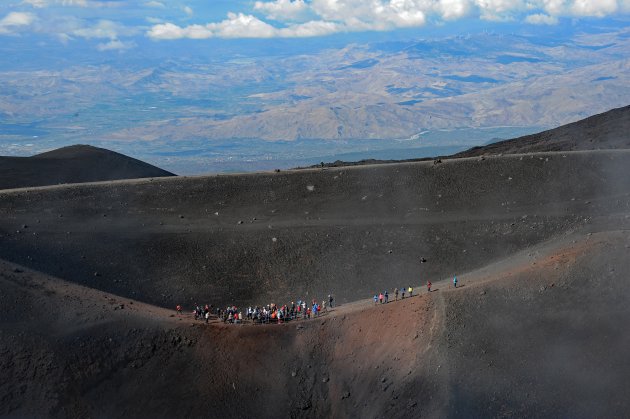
x=73, y=164
x=253, y=239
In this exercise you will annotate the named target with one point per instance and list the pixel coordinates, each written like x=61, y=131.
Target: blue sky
x=122, y=25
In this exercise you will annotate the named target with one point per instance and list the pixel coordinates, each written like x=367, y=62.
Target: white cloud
x=499, y=10
x=115, y=45
x=188, y=10
x=90, y=3
x=332, y=16
x=452, y=9
x=541, y=19
x=283, y=9
x=154, y=20
x=80, y=3
x=36, y=3
x=308, y=29
x=14, y=21
x=241, y=26
x=155, y=4
x=599, y=8
x=104, y=29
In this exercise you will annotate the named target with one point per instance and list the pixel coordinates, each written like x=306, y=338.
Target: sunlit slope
x=538, y=334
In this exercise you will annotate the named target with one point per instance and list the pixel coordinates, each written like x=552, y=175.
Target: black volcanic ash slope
x=73, y=164
x=257, y=238
x=606, y=131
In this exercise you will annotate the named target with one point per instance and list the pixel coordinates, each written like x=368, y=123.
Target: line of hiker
x=383, y=297
x=271, y=313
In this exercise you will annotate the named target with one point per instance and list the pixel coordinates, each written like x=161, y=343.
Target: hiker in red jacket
x=429, y=286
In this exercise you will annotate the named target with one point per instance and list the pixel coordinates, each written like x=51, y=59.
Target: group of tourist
x=272, y=313
x=265, y=314
x=383, y=297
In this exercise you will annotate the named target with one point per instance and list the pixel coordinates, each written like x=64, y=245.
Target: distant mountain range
x=376, y=91
x=81, y=163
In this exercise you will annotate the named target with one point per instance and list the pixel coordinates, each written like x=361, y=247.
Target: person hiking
x=396, y=294
x=381, y=298
x=386, y=297
x=207, y=315
x=429, y=286
x=375, y=299
x=330, y=300
x=179, y=309
x=402, y=291
x=455, y=281
x=410, y=291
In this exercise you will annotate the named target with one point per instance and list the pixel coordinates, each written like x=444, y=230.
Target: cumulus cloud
x=541, y=19
x=452, y=9
x=36, y=3
x=599, y=8
x=304, y=18
x=241, y=26
x=283, y=9
x=14, y=21
x=82, y=3
x=115, y=45
x=155, y=4
x=104, y=29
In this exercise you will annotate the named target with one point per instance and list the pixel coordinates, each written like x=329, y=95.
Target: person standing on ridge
x=455, y=281
x=375, y=299
x=179, y=309
x=396, y=294
x=429, y=286
x=330, y=300
x=386, y=296
x=410, y=291
x=381, y=298
x=402, y=290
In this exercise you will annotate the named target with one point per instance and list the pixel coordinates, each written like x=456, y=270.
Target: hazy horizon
x=197, y=87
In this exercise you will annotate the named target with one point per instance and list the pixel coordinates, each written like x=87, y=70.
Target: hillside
x=73, y=164
x=540, y=334
x=90, y=274
x=255, y=237
x=608, y=130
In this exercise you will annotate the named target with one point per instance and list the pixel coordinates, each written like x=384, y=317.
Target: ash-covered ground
x=90, y=274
